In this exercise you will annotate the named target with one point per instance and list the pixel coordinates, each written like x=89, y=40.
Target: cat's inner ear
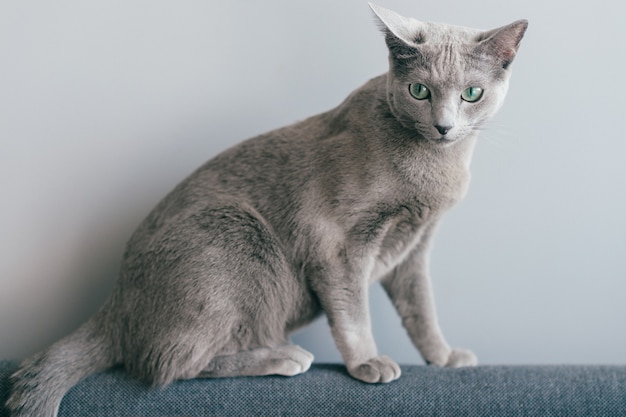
x=502, y=43
x=402, y=34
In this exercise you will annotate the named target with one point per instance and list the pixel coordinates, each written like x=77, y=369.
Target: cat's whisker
x=499, y=136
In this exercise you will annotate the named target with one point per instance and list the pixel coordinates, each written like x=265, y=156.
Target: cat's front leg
x=344, y=298
x=410, y=290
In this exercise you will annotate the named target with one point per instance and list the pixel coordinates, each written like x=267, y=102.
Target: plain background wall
x=106, y=105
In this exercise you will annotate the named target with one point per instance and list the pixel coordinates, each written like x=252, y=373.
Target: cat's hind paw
x=293, y=360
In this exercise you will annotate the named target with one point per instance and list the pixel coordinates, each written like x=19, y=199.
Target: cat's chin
x=444, y=141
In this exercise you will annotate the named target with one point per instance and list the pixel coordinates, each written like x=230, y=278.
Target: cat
x=297, y=222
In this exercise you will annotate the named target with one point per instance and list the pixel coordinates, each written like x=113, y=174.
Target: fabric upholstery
x=327, y=390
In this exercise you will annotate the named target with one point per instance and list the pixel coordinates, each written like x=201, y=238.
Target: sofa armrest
x=327, y=390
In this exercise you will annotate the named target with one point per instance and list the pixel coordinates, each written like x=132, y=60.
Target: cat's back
x=272, y=167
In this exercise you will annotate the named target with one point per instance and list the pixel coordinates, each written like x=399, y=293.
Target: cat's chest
x=403, y=235
x=406, y=230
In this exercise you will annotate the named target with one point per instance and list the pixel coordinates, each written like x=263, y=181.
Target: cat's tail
x=42, y=380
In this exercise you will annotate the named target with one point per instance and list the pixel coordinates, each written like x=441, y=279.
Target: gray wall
x=106, y=105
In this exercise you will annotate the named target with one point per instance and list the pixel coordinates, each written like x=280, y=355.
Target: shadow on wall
x=59, y=308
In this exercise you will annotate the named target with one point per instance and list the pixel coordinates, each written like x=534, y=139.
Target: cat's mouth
x=444, y=140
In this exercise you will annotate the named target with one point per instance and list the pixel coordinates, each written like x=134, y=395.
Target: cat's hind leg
x=211, y=293
x=287, y=360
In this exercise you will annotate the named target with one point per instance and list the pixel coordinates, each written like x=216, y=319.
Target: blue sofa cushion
x=327, y=390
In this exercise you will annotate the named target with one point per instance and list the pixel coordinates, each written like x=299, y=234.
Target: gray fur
x=269, y=234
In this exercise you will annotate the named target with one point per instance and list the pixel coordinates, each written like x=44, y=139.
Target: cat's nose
x=443, y=129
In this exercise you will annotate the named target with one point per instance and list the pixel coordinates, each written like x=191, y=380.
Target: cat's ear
x=502, y=43
x=401, y=34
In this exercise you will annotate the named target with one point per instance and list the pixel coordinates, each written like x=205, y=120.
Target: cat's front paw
x=459, y=358
x=380, y=369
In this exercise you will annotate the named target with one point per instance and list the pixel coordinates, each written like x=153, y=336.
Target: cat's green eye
x=419, y=91
x=472, y=94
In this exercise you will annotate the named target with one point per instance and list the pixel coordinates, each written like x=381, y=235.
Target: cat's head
x=446, y=81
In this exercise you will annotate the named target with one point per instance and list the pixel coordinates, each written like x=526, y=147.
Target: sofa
x=327, y=390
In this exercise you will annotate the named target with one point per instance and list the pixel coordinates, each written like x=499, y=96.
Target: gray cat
x=297, y=222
